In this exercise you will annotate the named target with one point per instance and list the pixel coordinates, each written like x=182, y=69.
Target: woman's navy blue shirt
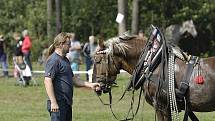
x=58, y=69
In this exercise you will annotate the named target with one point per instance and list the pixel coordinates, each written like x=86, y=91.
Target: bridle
x=107, y=79
x=109, y=71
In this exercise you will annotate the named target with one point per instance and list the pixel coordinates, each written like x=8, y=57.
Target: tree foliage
x=92, y=17
x=87, y=17
x=17, y=15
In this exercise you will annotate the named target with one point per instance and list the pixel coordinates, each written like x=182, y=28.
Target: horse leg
x=161, y=116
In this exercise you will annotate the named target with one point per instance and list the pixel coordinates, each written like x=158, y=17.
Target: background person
x=59, y=80
x=88, y=51
x=18, y=47
x=26, y=48
x=18, y=51
x=74, y=53
x=141, y=35
x=45, y=54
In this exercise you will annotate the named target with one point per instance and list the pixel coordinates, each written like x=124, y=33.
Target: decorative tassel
x=199, y=79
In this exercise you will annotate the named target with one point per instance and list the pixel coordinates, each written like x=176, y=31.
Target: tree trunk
x=122, y=8
x=135, y=17
x=58, y=16
x=67, y=10
x=49, y=14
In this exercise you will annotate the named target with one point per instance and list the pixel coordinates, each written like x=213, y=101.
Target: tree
x=135, y=17
x=49, y=18
x=122, y=8
x=58, y=16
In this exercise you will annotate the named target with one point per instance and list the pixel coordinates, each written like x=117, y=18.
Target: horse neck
x=128, y=52
x=129, y=66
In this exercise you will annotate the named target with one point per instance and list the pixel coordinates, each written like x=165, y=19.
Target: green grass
x=29, y=104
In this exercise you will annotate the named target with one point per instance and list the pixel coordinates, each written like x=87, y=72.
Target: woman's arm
x=80, y=83
x=50, y=92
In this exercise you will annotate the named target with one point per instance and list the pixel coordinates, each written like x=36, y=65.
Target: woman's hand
x=95, y=86
x=54, y=107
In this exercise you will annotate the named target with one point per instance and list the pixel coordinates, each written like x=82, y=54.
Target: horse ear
x=101, y=43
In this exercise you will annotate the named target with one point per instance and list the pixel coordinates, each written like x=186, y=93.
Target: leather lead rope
x=131, y=106
x=130, y=109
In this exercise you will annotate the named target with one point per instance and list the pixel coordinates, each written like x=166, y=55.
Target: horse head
x=175, y=32
x=112, y=56
x=188, y=27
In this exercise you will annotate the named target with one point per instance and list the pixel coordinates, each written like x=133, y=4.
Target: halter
x=107, y=60
x=106, y=79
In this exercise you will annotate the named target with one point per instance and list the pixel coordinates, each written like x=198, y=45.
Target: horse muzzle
x=106, y=84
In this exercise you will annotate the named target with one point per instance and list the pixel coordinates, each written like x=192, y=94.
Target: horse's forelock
x=110, y=43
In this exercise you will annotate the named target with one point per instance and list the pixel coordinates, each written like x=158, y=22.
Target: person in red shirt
x=26, y=48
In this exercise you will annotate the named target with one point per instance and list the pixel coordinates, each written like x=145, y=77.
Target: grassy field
x=29, y=104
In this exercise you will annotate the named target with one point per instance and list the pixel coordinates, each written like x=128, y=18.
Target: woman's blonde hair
x=16, y=35
x=59, y=39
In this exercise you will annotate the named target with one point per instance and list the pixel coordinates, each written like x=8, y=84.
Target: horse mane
x=115, y=43
x=125, y=47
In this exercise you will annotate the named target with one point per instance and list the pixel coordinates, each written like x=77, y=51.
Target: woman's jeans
x=27, y=59
x=64, y=113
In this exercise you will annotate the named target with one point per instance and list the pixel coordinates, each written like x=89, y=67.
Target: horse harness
x=181, y=92
x=146, y=66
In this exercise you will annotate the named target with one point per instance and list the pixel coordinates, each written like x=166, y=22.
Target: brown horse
x=124, y=54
